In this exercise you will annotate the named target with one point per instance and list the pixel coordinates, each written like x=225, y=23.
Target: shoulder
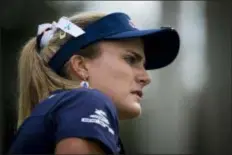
x=82, y=93
x=81, y=97
x=88, y=114
x=76, y=101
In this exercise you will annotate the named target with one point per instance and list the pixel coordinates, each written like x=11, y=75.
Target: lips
x=138, y=92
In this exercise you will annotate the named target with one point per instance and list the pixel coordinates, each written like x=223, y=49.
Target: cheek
x=113, y=78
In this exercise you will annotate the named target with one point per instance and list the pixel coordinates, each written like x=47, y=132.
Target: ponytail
x=32, y=80
x=36, y=80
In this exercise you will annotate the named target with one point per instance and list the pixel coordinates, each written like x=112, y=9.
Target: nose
x=143, y=78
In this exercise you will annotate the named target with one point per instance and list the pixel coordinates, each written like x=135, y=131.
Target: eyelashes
x=134, y=59
x=131, y=60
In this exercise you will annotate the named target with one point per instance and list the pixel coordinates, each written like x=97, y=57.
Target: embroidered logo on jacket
x=99, y=117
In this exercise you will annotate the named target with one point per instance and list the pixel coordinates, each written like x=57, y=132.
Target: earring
x=84, y=84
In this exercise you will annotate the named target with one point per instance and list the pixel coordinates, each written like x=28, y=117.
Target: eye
x=131, y=59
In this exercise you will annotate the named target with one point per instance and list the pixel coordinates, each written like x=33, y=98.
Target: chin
x=131, y=112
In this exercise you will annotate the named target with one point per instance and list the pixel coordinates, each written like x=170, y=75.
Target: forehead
x=125, y=45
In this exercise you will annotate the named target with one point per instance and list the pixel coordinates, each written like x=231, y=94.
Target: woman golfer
x=79, y=76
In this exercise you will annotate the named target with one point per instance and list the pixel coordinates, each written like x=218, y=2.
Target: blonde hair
x=36, y=79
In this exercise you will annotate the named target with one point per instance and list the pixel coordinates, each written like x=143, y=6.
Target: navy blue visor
x=161, y=46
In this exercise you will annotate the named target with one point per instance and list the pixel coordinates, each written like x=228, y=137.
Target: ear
x=79, y=67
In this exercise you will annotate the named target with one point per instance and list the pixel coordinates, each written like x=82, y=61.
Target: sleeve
x=88, y=116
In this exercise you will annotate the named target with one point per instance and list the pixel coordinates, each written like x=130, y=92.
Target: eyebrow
x=137, y=55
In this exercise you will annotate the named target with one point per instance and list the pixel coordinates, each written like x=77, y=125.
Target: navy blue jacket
x=83, y=113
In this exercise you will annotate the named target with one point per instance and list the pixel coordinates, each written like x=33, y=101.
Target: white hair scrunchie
x=47, y=30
